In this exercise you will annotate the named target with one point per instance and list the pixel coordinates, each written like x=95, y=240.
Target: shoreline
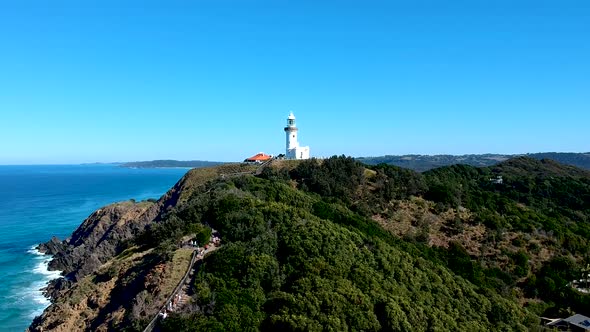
x=44, y=276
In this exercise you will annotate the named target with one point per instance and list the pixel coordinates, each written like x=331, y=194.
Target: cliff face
x=125, y=291
x=102, y=284
x=99, y=236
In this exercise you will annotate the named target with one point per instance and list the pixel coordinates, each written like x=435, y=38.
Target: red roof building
x=259, y=158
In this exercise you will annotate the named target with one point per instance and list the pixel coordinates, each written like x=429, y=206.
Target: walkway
x=255, y=172
x=181, y=297
x=178, y=297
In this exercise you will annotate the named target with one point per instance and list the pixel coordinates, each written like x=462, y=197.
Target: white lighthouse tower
x=293, y=150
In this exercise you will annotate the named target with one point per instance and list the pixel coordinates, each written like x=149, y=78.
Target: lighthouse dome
x=291, y=116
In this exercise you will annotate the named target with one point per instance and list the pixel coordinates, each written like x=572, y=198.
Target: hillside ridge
x=423, y=163
x=302, y=222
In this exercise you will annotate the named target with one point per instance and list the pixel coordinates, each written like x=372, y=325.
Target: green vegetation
x=423, y=163
x=541, y=203
x=303, y=248
x=294, y=262
x=176, y=271
x=203, y=235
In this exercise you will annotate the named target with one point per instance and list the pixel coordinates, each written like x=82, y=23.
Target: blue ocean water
x=37, y=202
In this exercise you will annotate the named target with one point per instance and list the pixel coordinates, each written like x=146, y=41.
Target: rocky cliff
x=103, y=277
x=99, y=236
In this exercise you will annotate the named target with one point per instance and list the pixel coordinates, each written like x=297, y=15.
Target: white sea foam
x=34, y=251
x=25, y=295
x=32, y=295
x=42, y=268
x=40, y=299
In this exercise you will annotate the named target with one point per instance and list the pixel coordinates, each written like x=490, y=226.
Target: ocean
x=37, y=202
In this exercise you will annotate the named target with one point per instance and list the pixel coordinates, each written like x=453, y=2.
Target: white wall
x=300, y=152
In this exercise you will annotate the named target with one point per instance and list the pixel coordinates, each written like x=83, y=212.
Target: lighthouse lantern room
x=293, y=150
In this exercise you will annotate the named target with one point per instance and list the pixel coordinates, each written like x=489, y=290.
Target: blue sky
x=86, y=81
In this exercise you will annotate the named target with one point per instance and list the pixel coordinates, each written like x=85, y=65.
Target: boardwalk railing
x=152, y=324
x=257, y=171
x=263, y=166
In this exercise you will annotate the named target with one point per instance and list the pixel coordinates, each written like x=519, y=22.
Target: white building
x=294, y=151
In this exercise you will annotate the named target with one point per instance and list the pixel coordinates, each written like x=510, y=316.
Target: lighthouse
x=293, y=150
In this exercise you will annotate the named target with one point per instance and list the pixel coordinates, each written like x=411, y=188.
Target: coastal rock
x=99, y=238
x=56, y=287
x=102, y=235
x=91, y=249
x=52, y=246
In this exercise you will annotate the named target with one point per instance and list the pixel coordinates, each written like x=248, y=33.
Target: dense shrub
x=294, y=261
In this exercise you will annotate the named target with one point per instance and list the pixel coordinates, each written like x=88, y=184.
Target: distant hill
x=423, y=163
x=170, y=164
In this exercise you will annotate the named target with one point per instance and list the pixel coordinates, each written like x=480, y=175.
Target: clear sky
x=86, y=81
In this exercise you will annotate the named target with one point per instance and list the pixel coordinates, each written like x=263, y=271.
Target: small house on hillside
x=573, y=323
x=259, y=158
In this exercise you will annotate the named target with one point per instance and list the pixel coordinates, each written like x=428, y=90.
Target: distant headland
x=171, y=164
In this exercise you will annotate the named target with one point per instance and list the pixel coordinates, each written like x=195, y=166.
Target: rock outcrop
x=52, y=246
x=98, y=238
x=92, y=249
x=101, y=235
